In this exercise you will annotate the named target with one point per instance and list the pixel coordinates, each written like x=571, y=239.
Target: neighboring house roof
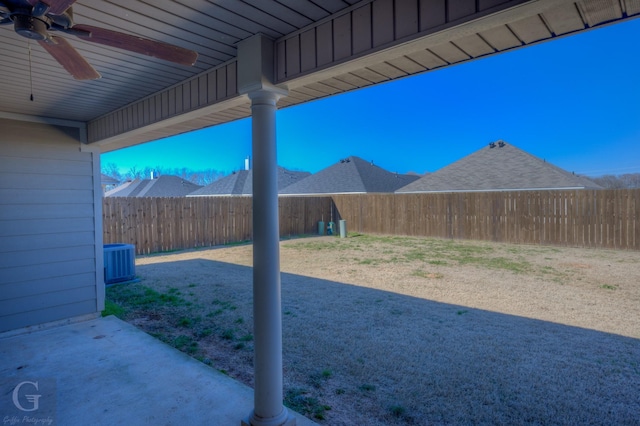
x=241, y=183
x=163, y=186
x=123, y=190
x=499, y=167
x=350, y=175
x=108, y=180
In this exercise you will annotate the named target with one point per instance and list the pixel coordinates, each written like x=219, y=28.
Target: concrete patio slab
x=107, y=372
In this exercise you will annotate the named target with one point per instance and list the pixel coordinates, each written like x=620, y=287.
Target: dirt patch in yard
x=385, y=330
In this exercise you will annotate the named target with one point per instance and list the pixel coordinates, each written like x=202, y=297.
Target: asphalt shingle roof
x=241, y=183
x=498, y=168
x=108, y=180
x=163, y=186
x=123, y=190
x=350, y=175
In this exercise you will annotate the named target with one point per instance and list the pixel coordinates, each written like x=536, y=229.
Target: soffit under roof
x=212, y=28
x=323, y=48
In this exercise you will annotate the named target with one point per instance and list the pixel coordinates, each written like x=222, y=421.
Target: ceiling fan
x=35, y=20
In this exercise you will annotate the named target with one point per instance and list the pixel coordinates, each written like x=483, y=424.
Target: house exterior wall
x=50, y=266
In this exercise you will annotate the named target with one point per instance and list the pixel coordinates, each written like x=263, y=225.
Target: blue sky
x=574, y=102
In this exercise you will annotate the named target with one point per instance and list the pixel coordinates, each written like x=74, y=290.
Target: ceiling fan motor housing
x=30, y=26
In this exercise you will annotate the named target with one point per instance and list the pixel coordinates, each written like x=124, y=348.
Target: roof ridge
x=241, y=181
x=148, y=184
x=359, y=163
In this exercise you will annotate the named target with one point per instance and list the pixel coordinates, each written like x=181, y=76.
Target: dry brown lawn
x=383, y=330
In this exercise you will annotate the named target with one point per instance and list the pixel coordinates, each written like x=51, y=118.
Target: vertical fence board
x=633, y=225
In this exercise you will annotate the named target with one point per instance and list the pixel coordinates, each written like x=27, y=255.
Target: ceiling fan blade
x=156, y=49
x=56, y=7
x=69, y=58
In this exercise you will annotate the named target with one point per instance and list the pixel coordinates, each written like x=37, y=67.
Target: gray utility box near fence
x=119, y=263
x=343, y=228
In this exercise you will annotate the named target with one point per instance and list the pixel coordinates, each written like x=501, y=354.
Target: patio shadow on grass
x=365, y=356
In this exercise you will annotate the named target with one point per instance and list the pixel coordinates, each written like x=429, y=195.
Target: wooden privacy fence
x=164, y=224
x=584, y=218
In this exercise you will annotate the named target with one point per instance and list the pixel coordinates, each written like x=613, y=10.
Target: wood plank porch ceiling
x=323, y=48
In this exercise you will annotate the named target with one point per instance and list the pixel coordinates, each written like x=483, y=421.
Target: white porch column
x=255, y=72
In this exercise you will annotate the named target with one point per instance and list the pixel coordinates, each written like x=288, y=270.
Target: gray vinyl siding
x=47, y=225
